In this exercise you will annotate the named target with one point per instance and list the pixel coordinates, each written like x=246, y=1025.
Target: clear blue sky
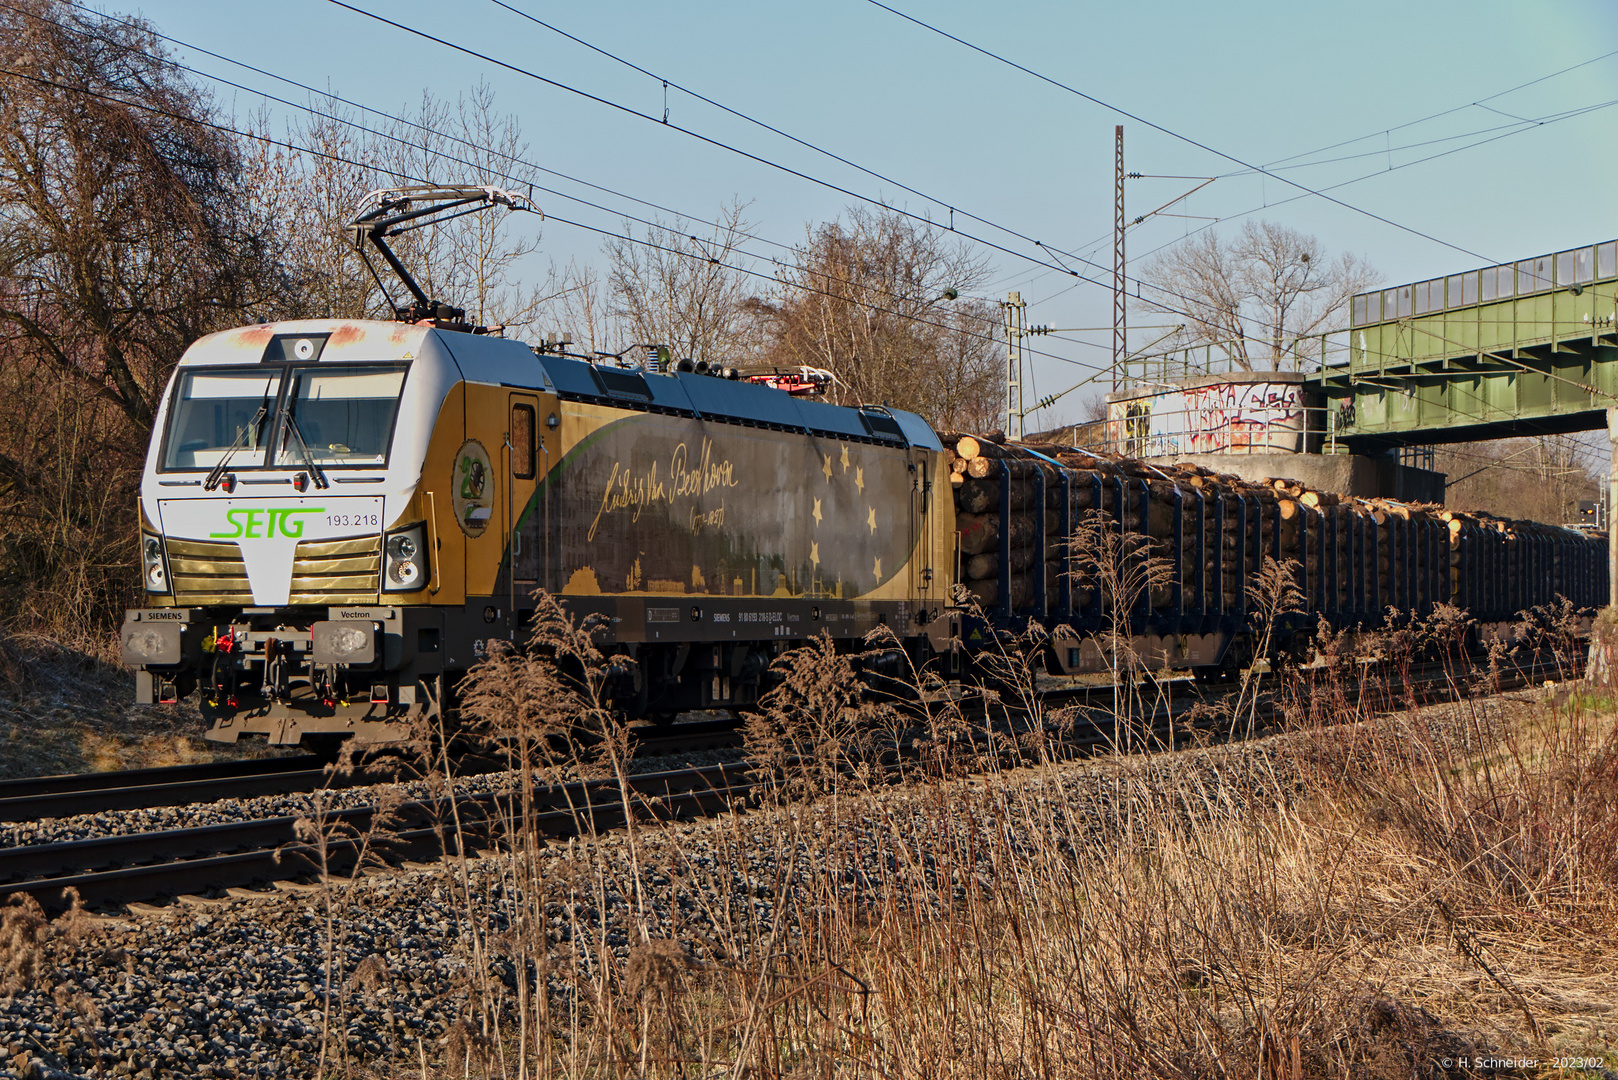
x=1260, y=81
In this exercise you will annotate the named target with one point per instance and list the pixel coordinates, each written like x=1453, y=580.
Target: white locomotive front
x=284, y=543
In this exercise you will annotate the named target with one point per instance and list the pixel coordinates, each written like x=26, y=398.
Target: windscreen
x=339, y=416
x=216, y=413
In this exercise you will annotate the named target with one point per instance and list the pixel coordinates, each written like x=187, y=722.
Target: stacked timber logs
x=1347, y=554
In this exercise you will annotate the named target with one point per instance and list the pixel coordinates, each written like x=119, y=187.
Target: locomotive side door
x=921, y=528
x=524, y=546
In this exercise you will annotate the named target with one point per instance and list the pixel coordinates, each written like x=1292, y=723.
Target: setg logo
x=260, y=523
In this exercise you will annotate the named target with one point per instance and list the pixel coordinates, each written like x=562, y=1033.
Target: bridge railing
x=1570, y=269
x=1168, y=367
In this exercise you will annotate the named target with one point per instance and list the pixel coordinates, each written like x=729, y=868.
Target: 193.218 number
x=353, y=521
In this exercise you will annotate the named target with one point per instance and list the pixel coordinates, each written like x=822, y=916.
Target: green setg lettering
x=234, y=518
x=285, y=520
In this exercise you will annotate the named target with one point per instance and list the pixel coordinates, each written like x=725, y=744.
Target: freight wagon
x=1053, y=534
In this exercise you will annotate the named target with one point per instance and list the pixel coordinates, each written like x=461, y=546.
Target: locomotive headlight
x=404, y=560
x=154, y=569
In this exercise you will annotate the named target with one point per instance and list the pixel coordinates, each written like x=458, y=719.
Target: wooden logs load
x=1349, y=554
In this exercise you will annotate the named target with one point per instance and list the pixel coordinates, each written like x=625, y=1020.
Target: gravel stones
x=256, y=985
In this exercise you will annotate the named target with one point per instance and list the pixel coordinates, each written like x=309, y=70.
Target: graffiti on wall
x=1248, y=417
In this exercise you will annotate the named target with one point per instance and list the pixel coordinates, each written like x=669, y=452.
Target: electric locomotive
x=338, y=516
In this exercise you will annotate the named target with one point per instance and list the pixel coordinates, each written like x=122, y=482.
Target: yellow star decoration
x=814, y=553
x=859, y=479
x=827, y=468
x=870, y=518
x=816, y=515
x=845, y=459
x=879, y=569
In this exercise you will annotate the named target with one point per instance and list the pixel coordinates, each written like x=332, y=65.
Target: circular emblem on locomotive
x=473, y=488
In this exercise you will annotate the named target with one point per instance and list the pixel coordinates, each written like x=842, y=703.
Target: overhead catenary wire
x=1445, y=112
x=1050, y=251
x=1142, y=282
x=1569, y=115
x=560, y=194
x=1167, y=131
x=408, y=178
x=553, y=172
x=384, y=114
x=711, y=141
x=1520, y=127
x=942, y=204
x=402, y=176
x=953, y=207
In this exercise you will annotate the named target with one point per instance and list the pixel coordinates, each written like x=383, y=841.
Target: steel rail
x=69, y=795
x=34, y=797
x=207, y=770
x=142, y=866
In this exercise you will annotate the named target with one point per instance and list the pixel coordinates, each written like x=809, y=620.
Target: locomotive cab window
x=340, y=416
x=522, y=442
x=216, y=413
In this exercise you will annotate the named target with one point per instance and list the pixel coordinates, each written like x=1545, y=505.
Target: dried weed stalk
x=814, y=726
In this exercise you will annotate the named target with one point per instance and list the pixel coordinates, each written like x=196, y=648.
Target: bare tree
x=477, y=261
x=966, y=388
x=672, y=287
x=125, y=233
x=473, y=261
x=875, y=300
x=1260, y=297
x=582, y=311
x=1540, y=478
x=122, y=222
x=307, y=199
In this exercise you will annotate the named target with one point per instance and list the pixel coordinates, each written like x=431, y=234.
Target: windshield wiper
x=217, y=473
x=303, y=447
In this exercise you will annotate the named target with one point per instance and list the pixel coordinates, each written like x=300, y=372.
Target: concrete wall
x=1239, y=413
x=1346, y=474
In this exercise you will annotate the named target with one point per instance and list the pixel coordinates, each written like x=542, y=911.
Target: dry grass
x=1363, y=898
x=70, y=707
x=1368, y=901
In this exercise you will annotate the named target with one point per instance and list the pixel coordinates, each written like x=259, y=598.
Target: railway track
x=121, y=869
x=38, y=797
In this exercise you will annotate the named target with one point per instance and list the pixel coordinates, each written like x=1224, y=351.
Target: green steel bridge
x=1524, y=348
